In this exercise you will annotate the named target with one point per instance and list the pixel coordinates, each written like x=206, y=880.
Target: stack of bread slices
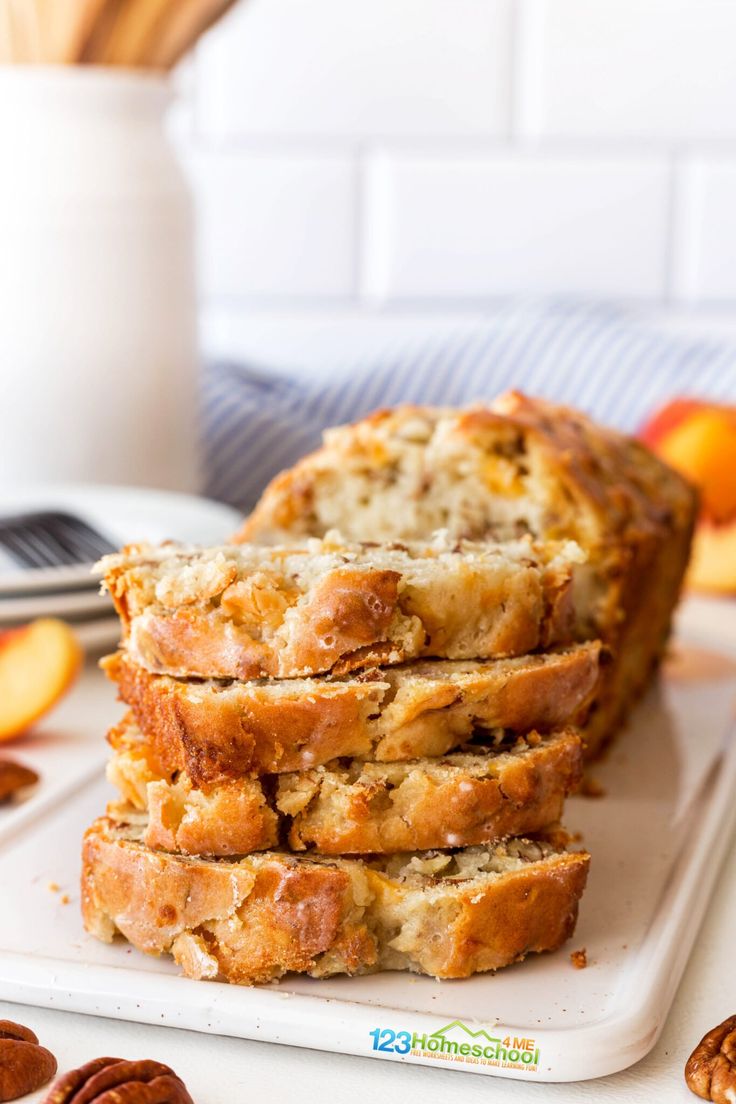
x=350, y=751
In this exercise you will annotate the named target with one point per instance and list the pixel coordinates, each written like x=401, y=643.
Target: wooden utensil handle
x=186, y=24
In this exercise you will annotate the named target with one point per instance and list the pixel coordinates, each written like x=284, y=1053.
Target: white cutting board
x=657, y=839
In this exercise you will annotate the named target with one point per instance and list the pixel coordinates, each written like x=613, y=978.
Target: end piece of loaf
x=352, y=808
x=214, y=729
x=516, y=465
x=257, y=918
x=249, y=612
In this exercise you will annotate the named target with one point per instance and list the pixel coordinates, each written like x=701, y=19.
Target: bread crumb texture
x=331, y=605
x=219, y=729
x=517, y=465
x=256, y=918
x=350, y=807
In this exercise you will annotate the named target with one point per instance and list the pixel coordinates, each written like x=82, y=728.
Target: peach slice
x=713, y=564
x=38, y=663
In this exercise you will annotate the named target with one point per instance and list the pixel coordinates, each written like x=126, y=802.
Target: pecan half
x=24, y=1065
x=116, y=1081
x=13, y=777
x=711, y=1068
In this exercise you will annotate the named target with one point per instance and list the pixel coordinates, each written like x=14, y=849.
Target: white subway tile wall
x=434, y=155
x=660, y=70
x=358, y=69
x=706, y=250
x=275, y=224
x=487, y=226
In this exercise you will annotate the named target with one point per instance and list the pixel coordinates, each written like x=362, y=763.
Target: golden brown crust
x=455, y=801
x=534, y=910
x=237, y=812
x=231, y=818
x=601, y=483
x=214, y=730
x=517, y=464
x=244, y=612
x=257, y=918
x=646, y=577
x=250, y=921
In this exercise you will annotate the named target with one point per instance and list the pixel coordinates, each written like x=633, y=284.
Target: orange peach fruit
x=713, y=562
x=667, y=418
x=38, y=663
x=703, y=448
x=699, y=440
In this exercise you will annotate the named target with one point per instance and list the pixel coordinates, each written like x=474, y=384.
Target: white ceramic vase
x=98, y=348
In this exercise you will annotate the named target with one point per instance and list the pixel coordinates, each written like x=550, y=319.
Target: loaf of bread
x=247, y=612
x=213, y=729
x=492, y=472
x=253, y=919
x=350, y=807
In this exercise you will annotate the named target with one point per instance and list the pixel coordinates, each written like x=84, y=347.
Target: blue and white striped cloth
x=257, y=422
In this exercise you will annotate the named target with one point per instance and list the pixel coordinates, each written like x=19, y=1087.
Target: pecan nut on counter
x=711, y=1068
x=117, y=1081
x=24, y=1065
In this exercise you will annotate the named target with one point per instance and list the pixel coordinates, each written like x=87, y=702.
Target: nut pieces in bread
x=245, y=612
x=215, y=729
x=24, y=1065
x=491, y=472
x=117, y=1081
x=253, y=919
x=352, y=807
x=711, y=1068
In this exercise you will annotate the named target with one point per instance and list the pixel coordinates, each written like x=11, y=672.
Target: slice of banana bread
x=250, y=920
x=351, y=807
x=516, y=465
x=214, y=729
x=246, y=611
